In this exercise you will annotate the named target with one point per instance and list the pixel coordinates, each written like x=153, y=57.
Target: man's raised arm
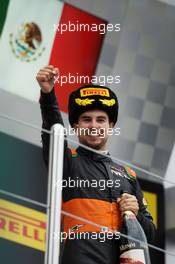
x=48, y=103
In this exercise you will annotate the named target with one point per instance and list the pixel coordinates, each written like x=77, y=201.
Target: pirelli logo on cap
x=94, y=91
x=22, y=225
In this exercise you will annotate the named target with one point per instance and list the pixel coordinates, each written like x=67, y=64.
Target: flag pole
x=54, y=196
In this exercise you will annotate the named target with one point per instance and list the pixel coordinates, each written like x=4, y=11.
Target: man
x=93, y=111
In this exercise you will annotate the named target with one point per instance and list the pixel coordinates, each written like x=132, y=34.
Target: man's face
x=92, y=129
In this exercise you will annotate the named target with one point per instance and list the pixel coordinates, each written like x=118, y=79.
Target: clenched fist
x=46, y=77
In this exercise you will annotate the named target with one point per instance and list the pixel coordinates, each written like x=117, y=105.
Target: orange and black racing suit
x=92, y=201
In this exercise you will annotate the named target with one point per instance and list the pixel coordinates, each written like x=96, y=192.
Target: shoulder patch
x=74, y=153
x=130, y=172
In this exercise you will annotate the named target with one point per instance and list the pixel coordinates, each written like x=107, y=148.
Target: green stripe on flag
x=3, y=11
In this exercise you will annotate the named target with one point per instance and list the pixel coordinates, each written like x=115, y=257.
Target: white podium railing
x=54, y=197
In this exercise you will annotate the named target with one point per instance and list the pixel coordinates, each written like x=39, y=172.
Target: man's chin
x=93, y=142
x=94, y=145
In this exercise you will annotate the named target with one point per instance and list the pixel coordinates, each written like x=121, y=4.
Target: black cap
x=91, y=97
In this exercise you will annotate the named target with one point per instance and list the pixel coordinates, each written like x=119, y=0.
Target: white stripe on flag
x=18, y=74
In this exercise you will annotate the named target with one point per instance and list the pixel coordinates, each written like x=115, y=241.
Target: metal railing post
x=54, y=197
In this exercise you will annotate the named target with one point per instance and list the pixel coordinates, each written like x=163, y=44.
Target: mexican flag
x=3, y=11
x=31, y=38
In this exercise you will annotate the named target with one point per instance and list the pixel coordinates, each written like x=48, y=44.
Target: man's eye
x=101, y=120
x=86, y=120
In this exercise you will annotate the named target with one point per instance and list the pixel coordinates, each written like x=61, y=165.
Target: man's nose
x=94, y=124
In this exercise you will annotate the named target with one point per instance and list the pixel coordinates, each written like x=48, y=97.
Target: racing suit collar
x=93, y=155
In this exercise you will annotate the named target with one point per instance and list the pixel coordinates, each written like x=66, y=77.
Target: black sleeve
x=144, y=217
x=50, y=115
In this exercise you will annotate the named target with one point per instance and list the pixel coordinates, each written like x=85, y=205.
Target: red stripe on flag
x=75, y=52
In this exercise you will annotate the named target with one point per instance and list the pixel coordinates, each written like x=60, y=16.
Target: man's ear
x=75, y=126
x=111, y=124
